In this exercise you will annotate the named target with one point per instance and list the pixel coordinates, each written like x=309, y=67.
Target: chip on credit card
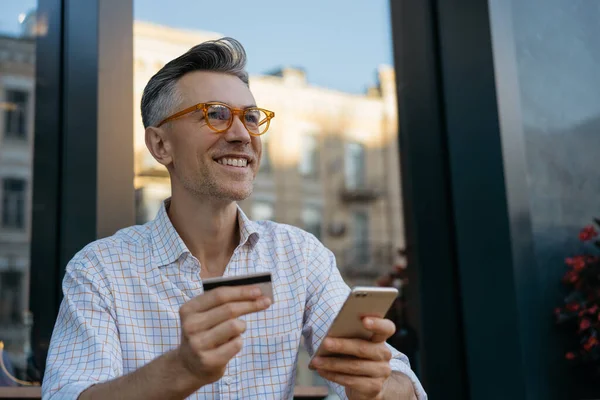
x=262, y=280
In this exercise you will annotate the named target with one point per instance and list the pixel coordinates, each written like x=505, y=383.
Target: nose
x=237, y=132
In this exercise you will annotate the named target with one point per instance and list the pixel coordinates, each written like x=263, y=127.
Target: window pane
x=554, y=96
x=13, y=203
x=309, y=162
x=18, y=30
x=361, y=237
x=15, y=113
x=355, y=165
x=265, y=162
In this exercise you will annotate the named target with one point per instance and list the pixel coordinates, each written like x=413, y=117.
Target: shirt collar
x=167, y=245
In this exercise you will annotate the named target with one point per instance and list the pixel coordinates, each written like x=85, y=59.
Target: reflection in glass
x=557, y=57
x=19, y=26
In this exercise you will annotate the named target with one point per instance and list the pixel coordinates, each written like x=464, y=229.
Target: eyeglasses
x=219, y=117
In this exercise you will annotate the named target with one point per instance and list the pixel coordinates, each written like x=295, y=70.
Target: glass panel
x=557, y=59
x=18, y=30
x=329, y=86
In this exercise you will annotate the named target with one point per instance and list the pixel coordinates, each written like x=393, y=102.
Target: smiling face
x=207, y=164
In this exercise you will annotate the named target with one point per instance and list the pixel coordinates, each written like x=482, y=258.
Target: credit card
x=262, y=280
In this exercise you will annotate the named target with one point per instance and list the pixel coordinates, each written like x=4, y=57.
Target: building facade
x=17, y=99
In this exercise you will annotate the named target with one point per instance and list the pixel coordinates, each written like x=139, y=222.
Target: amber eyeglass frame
x=240, y=112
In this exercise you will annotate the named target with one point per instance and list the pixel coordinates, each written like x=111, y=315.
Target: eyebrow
x=224, y=102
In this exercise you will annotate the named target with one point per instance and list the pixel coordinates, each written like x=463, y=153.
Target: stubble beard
x=206, y=186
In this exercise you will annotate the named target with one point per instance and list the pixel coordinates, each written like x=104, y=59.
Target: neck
x=208, y=228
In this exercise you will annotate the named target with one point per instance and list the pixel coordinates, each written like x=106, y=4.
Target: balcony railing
x=361, y=193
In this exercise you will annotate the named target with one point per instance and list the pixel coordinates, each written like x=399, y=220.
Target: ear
x=158, y=144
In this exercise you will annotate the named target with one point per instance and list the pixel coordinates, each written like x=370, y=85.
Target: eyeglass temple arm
x=181, y=113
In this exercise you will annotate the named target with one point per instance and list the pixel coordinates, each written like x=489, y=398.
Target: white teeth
x=236, y=162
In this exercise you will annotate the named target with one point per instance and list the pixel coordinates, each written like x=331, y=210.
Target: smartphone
x=363, y=301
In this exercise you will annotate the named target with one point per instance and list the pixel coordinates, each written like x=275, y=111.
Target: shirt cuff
x=70, y=391
x=400, y=366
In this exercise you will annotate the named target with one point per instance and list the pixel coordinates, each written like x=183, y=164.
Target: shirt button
x=227, y=380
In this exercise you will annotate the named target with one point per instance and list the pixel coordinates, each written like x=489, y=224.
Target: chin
x=235, y=194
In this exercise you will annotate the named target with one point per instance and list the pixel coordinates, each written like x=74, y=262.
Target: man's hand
x=211, y=331
x=364, y=366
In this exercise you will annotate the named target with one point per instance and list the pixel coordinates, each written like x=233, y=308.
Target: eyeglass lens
x=219, y=117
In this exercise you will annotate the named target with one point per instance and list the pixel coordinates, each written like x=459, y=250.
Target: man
x=135, y=322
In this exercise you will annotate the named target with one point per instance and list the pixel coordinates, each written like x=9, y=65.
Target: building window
x=354, y=165
x=309, y=161
x=262, y=211
x=13, y=203
x=311, y=220
x=361, y=237
x=265, y=160
x=10, y=291
x=15, y=114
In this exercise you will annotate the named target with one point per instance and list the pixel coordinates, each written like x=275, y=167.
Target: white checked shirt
x=123, y=293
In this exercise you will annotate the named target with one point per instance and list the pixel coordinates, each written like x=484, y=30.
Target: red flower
x=571, y=277
x=570, y=356
x=557, y=310
x=592, y=342
x=584, y=324
x=587, y=233
x=577, y=263
x=573, y=306
x=593, y=310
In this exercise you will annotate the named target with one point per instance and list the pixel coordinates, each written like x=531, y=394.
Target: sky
x=339, y=43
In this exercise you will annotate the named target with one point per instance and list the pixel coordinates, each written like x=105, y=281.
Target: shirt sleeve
x=85, y=347
x=326, y=293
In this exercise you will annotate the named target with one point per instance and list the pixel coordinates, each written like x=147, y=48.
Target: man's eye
x=218, y=113
x=252, y=117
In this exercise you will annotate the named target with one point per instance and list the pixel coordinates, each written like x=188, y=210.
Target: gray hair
x=161, y=97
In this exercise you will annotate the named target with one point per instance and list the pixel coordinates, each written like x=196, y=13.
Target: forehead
x=203, y=86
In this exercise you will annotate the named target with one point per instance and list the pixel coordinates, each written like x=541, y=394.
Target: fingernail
x=255, y=292
x=368, y=322
x=317, y=362
x=264, y=302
